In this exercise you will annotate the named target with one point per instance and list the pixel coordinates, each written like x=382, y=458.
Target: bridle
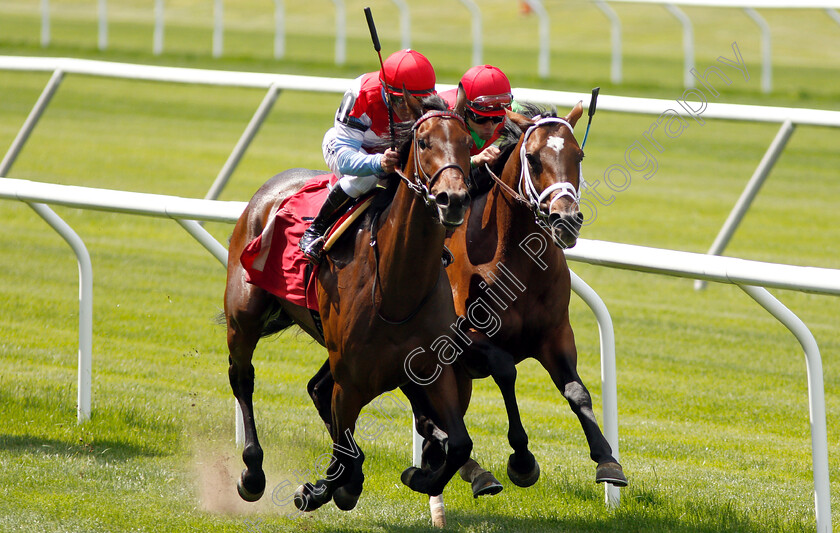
x=421, y=184
x=528, y=194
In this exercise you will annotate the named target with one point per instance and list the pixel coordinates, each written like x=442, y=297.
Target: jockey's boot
x=312, y=241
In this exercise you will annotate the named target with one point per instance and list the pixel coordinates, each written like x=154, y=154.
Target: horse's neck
x=410, y=245
x=515, y=221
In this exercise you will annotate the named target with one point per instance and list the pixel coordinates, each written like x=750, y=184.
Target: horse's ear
x=575, y=114
x=522, y=122
x=461, y=101
x=413, y=104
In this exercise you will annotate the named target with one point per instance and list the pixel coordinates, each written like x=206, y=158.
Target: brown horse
x=504, y=259
x=382, y=295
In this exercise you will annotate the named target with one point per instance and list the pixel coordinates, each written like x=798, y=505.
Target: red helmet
x=409, y=68
x=488, y=90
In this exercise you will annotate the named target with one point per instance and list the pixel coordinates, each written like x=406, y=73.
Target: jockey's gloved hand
x=489, y=156
x=390, y=160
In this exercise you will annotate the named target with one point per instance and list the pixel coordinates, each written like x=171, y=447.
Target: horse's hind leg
x=561, y=363
x=244, y=329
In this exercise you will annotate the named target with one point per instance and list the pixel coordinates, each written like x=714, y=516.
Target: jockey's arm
x=352, y=160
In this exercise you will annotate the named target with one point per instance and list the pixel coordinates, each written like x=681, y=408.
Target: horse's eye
x=534, y=162
x=422, y=144
x=532, y=159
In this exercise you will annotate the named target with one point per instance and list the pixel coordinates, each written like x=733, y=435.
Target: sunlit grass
x=713, y=413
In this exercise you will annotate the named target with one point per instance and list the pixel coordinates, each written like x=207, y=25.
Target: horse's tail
x=277, y=320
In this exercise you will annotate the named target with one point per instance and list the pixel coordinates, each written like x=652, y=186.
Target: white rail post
x=82, y=255
x=157, y=39
x=405, y=23
x=766, y=54
x=340, y=32
x=688, y=43
x=544, y=60
x=218, y=27
x=30, y=122
x=615, y=40
x=609, y=389
x=816, y=400
x=279, y=29
x=103, y=24
x=239, y=423
x=833, y=14
x=244, y=142
x=750, y=191
x=45, y=23
x=85, y=307
x=475, y=15
x=205, y=239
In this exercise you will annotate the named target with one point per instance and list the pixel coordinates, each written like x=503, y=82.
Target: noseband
x=422, y=188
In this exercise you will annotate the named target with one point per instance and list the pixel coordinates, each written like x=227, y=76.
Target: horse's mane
x=511, y=132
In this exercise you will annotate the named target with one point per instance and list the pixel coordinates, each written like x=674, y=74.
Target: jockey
x=488, y=95
x=352, y=147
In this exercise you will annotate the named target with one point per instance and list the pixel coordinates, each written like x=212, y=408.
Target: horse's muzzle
x=452, y=207
x=565, y=228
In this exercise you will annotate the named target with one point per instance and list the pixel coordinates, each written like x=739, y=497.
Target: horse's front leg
x=320, y=389
x=445, y=413
x=344, y=478
x=560, y=360
x=522, y=468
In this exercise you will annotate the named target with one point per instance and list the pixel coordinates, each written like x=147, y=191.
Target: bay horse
x=510, y=251
x=382, y=294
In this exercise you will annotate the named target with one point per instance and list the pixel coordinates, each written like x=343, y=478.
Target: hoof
x=411, y=478
x=485, y=484
x=527, y=478
x=252, y=488
x=344, y=500
x=306, y=500
x=610, y=473
x=482, y=482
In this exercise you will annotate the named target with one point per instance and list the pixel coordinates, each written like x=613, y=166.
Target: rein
x=528, y=194
x=421, y=189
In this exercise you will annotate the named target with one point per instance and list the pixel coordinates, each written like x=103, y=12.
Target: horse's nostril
x=461, y=200
x=442, y=199
x=568, y=222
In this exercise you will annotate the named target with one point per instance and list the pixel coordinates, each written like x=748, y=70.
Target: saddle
x=273, y=261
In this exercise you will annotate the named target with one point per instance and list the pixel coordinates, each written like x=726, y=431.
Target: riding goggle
x=399, y=90
x=481, y=119
x=489, y=103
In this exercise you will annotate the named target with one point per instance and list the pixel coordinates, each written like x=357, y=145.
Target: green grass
x=713, y=414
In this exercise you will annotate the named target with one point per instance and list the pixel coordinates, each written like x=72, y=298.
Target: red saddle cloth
x=273, y=260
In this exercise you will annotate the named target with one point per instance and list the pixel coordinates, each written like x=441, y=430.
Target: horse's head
x=551, y=172
x=438, y=163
